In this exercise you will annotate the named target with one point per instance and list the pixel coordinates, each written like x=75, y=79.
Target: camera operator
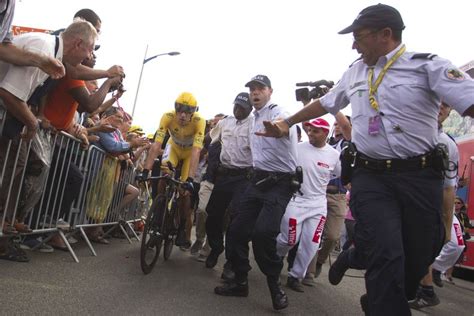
x=305, y=95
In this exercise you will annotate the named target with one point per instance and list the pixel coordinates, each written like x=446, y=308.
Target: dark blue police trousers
x=398, y=233
x=258, y=220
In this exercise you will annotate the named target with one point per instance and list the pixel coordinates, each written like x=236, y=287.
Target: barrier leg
x=133, y=231
x=88, y=242
x=71, y=252
x=125, y=233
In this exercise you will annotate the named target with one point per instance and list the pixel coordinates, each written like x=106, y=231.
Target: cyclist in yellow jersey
x=186, y=128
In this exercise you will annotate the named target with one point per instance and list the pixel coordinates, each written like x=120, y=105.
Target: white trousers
x=304, y=225
x=452, y=250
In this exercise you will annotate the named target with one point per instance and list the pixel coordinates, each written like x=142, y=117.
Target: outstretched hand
x=277, y=129
x=53, y=67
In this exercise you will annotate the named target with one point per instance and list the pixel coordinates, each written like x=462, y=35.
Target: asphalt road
x=113, y=284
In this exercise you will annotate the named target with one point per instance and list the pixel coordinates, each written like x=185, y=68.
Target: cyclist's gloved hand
x=189, y=185
x=144, y=175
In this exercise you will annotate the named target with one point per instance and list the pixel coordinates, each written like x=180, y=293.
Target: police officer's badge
x=454, y=74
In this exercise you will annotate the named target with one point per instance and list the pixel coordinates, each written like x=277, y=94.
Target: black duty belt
x=398, y=165
x=262, y=174
x=224, y=171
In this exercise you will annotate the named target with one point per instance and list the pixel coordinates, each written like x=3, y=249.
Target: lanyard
x=373, y=87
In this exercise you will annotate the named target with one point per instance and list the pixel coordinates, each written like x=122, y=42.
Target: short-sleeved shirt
x=235, y=138
x=191, y=135
x=409, y=98
x=60, y=106
x=7, y=8
x=319, y=166
x=273, y=154
x=22, y=81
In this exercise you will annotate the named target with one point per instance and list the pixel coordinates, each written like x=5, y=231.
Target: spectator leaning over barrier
x=115, y=145
x=17, y=85
x=83, y=72
x=71, y=95
x=23, y=57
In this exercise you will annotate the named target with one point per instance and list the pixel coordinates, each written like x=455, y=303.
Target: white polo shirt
x=22, y=81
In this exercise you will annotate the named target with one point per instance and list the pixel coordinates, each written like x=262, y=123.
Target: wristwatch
x=288, y=122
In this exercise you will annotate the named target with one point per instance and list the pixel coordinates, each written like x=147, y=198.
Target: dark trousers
x=258, y=220
x=227, y=192
x=398, y=233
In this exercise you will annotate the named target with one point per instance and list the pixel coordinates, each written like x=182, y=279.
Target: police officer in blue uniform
x=233, y=132
x=397, y=169
x=264, y=201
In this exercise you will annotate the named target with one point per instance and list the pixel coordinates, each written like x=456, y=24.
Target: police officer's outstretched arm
x=280, y=128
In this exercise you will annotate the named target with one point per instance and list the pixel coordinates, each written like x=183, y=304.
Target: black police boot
x=233, y=288
x=364, y=304
x=211, y=260
x=279, y=298
x=338, y=268
x=227, y=275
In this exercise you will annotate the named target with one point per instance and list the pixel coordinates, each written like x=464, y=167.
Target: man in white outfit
x=305, y=215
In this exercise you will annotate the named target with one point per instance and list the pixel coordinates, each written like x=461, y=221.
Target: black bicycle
x=161, y=224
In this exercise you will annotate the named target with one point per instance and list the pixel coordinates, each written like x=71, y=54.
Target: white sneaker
x=72, y=240
x=62, y=224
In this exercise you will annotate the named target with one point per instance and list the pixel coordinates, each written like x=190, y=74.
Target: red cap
x=318, y=123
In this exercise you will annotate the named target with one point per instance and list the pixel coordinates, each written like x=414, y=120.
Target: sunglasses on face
x=180, y=108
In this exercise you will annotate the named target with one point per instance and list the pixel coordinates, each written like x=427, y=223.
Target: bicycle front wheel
x=152, y=239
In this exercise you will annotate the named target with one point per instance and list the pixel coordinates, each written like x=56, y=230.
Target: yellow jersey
x=191, y=135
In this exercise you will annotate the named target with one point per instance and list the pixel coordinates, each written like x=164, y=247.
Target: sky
x=225, y=43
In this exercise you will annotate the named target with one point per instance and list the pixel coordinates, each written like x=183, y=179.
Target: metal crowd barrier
x=33, y=179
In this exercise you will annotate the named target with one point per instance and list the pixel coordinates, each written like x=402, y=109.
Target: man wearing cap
x=305, y=215
x=397, y=172
x=264, y=200
x=233, y=132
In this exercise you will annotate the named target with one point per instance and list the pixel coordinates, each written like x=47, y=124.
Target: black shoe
x=437, y=278
x=279, y=298
x=181, y=238
x=227, y=275
x=422, y=300
x=338, y=268
x=186, y=245
x=294, y=284
x=211, y=260
x=364, y=304
x=233, y=289
x=196, y=247
x=319, y=268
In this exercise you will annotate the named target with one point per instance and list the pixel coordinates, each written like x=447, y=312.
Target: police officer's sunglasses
x=179, y=107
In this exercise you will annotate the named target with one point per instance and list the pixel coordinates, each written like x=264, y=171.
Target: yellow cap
x=150, y=136
x=136, y=129
x=187, y=98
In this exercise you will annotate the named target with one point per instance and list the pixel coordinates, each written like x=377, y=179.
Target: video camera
x=320, y=88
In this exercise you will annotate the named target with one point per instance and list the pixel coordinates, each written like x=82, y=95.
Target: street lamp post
x=145, y=60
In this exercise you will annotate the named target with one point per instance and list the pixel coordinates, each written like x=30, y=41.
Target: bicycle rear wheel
x=152, y=240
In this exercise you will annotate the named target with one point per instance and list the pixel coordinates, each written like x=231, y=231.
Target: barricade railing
x=36, y=178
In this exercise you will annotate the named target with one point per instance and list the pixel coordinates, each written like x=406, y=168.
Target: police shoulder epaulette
x=424, y=56
x=273, y=106
x=355, y=62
